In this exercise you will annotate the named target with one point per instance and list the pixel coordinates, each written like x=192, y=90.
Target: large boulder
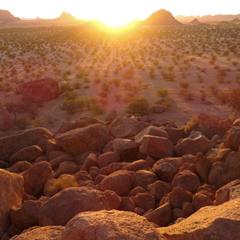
x=63, y=206
x=5, y=119
x=233, y=138
x=158, y=189
x=40, y=90
x=107, y=158
x=36, y=177
x=211, y=222
x=43, y=233
x=228, y=170
x=143, y=178
x=80, y=140
x=12, y=144
x=159, y=147
x=195, y=143
x=120, y=182
x=126, y=127
x=110, y=225
x=11, y=193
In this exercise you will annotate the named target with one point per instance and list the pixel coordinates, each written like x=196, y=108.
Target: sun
x=115, y=21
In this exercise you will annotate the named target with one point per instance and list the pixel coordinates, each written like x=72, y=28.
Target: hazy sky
x=117, y=11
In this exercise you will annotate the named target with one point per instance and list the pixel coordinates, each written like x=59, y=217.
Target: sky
x=117, y=11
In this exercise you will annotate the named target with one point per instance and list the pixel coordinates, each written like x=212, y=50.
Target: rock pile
x=132, y=178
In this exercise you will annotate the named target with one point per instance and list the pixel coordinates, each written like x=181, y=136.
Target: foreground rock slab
x=212, y=223
x=43, y=233
x=114, y=225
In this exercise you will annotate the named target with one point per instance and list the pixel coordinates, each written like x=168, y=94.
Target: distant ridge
x=161, y=17
x=208, y=18
x=8, y=17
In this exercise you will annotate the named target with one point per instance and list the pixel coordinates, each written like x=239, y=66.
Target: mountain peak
x=161, y=17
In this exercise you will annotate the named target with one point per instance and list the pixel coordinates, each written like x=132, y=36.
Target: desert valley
x=120, y=132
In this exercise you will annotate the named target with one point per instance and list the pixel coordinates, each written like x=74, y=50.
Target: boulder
x=80, y=140
x=178, y=196
x=127, y=204
x=158, y=189
x=186, y=179
x=143, y=178
x=67, y=168
x=36, y=177
x=43, y=233
x=11, y=194
x=5, y=119
x=20, y=167
x=25, y=215
x=63, y=206
x=60, y=159
x=126, y=127
x=113, y=199
x=166, y=169
x=151, y=130
x=201, y=200
x=126, y=149
x=12, y=144
x=222, y=194
x=144, y=201
x=233, y=138
x=161, y=215
x=195, y=143
x=136, y=165
x=211, y=222
x=110, y=225
x=42, y=90
x=203, y=166
x=159, y=147
x=228, y=170
x=107, y=158
x=120, y=182
x=174, y=134
x=90, y=161
x=29, y=154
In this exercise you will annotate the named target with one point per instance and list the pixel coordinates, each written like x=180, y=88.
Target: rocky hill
x=161, y=17
x=66, y=17
x=195, y=21
x=7, y=16
x=235, y=20
x=128, y=178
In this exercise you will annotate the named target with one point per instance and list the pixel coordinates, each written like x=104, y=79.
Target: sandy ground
x=59, y=58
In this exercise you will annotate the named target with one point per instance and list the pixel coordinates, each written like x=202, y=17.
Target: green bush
x=65, y=87
x=162, y=92
x=139, y=106
x=184, y=85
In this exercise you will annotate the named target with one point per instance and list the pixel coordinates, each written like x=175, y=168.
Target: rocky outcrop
x=40, y=90
x=110, y=225
x=11, y=194
x=212, y=222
